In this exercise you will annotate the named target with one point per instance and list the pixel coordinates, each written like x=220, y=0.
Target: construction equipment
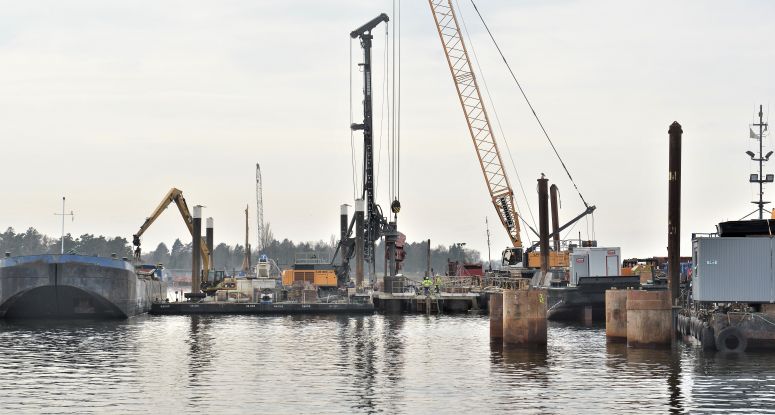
x=374, y=225
x=483, y=137
x=311, y=268
x=259, y=211
x=173, y=196
x=478, y=124
x=246, y=265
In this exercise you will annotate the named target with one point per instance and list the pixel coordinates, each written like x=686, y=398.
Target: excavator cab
x=512, y=257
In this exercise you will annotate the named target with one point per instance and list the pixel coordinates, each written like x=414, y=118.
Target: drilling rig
x=369, y=222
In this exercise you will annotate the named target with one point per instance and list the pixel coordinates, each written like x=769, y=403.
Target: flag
x=752, y=134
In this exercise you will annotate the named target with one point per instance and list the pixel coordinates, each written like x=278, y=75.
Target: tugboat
x=76, y=286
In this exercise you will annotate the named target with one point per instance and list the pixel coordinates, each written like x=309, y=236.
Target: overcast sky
x=112, y=103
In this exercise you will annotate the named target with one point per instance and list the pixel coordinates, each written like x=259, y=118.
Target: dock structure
x=186, y=308
x=433, y=303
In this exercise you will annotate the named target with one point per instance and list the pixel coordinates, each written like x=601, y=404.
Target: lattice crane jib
x=259, y=209
x=476, y=117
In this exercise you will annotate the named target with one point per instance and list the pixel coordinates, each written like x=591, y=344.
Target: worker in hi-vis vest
x=438, y=283
x=426, y=284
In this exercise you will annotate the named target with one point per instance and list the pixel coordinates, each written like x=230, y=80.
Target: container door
x=612, y=265
x=580, y=268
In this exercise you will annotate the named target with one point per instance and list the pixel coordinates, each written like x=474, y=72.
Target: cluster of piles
x=518, y=317
x=640, y=318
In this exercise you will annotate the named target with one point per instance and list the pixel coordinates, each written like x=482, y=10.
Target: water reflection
x=362, y=364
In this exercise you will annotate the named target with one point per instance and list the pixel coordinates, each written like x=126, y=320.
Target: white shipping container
x=594, y=262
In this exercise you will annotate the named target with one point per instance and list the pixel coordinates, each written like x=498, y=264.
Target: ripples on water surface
x=403, y=364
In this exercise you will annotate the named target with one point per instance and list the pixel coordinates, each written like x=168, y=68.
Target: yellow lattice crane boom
x=476, y=117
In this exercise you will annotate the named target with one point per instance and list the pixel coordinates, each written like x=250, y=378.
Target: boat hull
x=74, y=286
x=573, y=303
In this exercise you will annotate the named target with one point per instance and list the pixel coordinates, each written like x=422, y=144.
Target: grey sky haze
x=112, y=103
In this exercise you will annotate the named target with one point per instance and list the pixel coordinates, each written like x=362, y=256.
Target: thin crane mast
x=259, y=209
x=476, y=117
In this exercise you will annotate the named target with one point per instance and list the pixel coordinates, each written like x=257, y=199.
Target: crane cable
x=385, y=97
x=397, y=101
x=528, y=103
x=352, y=133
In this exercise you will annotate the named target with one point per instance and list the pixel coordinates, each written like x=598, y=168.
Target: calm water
x=409, y=364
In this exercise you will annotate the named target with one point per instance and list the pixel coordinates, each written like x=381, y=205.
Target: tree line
x=225, y=257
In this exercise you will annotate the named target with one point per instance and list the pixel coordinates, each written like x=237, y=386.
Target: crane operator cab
x=512, y=257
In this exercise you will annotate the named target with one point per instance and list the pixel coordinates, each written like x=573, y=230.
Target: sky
x=113, y=103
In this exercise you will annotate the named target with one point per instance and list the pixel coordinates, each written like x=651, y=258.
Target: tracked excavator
x=173, y=196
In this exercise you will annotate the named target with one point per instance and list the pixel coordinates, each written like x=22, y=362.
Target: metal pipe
x=359, y=243
x=196, y=264
x=210, y=238
x=428, y=266
x=674, y=211
x=555, y=216
x=343, y=222
x=543, y=221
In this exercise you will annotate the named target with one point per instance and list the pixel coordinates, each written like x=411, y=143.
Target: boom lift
x=481, y=132
x=173, y=196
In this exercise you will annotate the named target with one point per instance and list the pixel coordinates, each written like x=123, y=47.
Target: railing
x=311, y=258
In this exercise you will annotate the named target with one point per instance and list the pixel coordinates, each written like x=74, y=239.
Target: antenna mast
x=760, y=178
x=489, y=255
x=63, y=214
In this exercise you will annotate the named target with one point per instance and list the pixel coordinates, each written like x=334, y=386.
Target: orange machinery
x=311, y=268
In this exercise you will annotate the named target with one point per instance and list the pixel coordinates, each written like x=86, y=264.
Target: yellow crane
x=484, y=140
x=173, y=196
x=478, y=124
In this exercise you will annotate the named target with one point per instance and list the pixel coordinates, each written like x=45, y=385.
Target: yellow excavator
x=173, y=196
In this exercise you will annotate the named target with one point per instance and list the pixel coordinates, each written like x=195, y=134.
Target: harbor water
x=359, y=364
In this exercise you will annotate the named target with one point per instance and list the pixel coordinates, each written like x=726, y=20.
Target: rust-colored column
x=555, y=206
x=496, y=316
x=616, y=315
x=524, y=318
x=543, y=221
x=209, y=238
x=428, y=257
x=674, y=212
x=196, y=265
x=344, y=223
x=649, y=319
x=359, y=243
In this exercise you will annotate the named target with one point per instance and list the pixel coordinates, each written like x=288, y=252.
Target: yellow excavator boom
x=173, y=196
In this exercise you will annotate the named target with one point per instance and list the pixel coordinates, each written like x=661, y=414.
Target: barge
x=264, y=308
x=75, y=286
x=730, y=297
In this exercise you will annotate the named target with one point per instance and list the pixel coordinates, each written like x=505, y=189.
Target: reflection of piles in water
x=303, y=292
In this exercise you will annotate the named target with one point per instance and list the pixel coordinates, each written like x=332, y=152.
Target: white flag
x=752, y=135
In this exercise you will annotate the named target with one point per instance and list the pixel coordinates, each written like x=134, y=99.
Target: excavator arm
x=476, y=117
x=173, y=196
